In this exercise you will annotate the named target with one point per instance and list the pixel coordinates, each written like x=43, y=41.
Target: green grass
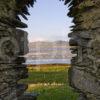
x=56, y=93
x=45, y=77
x=51, y=81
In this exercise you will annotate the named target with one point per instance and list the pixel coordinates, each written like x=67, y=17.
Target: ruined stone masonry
x=84, y=74
x=13, y=45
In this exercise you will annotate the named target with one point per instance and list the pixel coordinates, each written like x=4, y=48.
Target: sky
x=48, y=20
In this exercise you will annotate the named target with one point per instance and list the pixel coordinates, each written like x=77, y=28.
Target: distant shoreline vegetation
x=45, y=65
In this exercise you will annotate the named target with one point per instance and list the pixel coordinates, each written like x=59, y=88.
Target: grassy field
x=51, y=82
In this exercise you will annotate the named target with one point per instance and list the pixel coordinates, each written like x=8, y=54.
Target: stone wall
x=84, y=74
x=13, y=45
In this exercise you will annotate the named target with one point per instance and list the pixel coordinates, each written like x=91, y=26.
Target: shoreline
x=47, y=61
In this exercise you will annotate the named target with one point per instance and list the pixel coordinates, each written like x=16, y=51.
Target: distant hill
x=48, y=44
x=49, y=50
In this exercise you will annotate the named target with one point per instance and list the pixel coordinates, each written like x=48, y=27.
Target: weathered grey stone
x=85, y=70
x=82, y=97
x=22, y=40
x=85, y=81
x=13, y=45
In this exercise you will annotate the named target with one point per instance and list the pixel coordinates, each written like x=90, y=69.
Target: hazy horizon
x=48, y=41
